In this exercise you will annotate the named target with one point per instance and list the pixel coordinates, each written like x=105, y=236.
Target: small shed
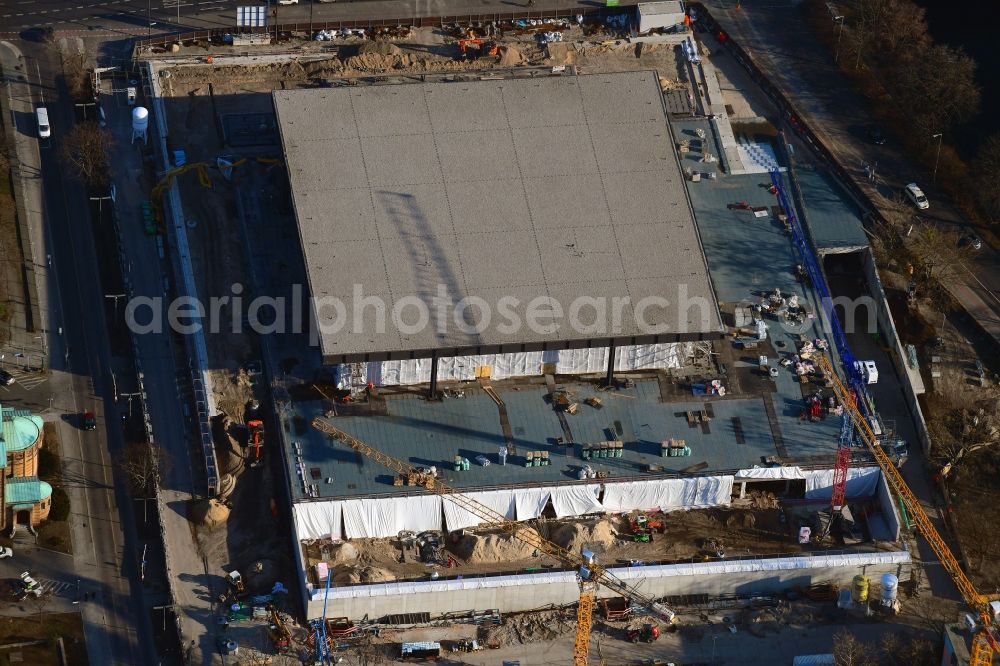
x=653, y=15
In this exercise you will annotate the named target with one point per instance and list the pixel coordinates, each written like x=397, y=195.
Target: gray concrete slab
x=560, y=187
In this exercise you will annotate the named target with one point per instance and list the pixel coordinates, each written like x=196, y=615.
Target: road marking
x=30, y=380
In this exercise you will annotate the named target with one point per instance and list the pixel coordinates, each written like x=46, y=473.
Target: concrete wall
x=887, y=507
x=888, y=329
x=531, y=591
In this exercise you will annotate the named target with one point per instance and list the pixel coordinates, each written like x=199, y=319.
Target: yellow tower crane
x=984, y=640
x=590, y=572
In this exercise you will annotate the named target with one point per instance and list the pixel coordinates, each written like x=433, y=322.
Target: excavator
x=280, y=635
x=985, y=607
x=591, y=574
x=485, y=48
x=255, y=438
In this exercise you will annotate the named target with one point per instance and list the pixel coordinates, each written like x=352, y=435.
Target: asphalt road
x=104, y=553
x=137, y=17
x=777, y=38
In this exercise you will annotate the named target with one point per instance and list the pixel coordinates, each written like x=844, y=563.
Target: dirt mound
x=349, y=575
x=209, y=513
x=342, y=553
x=510, y=56
x=573, y=536
x=528, y=628
x=558, y=53
x=380, y=48
x=475, y=549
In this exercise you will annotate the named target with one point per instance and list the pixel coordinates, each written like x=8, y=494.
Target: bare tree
x=849, y=651
x=144, y=465
x=86, y=151
x=77, y=76
x=937, y=85
x=987, y=172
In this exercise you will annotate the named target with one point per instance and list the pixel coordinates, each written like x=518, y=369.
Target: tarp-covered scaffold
x=861, y=482
x=524, y=364
x=668, y=494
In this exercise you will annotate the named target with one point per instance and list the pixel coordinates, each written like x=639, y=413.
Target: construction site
x=379, y=486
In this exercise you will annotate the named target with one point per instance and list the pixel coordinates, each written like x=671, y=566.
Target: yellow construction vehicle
x=280, y=635
x=986, y=607
x=591, y=573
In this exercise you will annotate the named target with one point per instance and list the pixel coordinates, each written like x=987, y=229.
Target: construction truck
x=647, y=633
x=255, y=440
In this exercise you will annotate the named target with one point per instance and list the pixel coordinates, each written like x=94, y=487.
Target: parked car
x=6, y=378
x=29, y=587
x=875, y=135
x=971, y=240
x=917, y=196
x=5, y=552
x=89, y=421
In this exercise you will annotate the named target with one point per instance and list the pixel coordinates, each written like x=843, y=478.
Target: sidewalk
x=31, y=336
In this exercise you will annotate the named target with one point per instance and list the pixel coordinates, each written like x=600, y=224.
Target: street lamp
x=936, y=156
x=840, y=32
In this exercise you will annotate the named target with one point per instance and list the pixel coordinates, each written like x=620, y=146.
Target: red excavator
x=255, y=438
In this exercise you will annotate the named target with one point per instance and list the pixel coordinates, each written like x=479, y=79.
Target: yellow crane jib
x=984, y=641
x=590, y=572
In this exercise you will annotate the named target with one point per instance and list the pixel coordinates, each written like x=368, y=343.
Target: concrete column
x=432, y=394
x=743, y=489
x=610, y=377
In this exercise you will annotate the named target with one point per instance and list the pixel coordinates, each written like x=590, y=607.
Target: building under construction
x=563, y=187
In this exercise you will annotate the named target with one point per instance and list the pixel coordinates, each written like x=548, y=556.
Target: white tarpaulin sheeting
x=524, y=364
x=576, y=500
x=317, y=520
x=861, y=482
x=716, y=568
x=501, y=501
x=771, y=473
x=388, y=516
x=530, y=502
x=669, y=494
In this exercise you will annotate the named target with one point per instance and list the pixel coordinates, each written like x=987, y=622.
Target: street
x=103, y=559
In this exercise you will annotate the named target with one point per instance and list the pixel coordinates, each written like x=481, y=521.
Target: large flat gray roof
x=561, y=187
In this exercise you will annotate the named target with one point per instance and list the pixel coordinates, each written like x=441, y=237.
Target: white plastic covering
x=501, y=501
x=401, y=588
x=576, y=500
x=531, y=502
x=638, y=574
x=669, y=494
x=385, y=517
x=770, y=473
x=317, y=520
x=525, y=364
x=861, y=482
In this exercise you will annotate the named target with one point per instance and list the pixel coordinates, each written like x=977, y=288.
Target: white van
x=42, y=116
x=917, y=196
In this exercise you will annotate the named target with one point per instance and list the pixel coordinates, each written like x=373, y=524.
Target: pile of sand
x=560, y=53
x=209, y=513
x=376, y=57
x=510, y=56
x=475, y=549
x=573, y=536
x=342, y=553
x=350, y=575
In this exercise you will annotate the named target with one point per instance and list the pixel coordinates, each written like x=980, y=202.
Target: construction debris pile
x=529, y=628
